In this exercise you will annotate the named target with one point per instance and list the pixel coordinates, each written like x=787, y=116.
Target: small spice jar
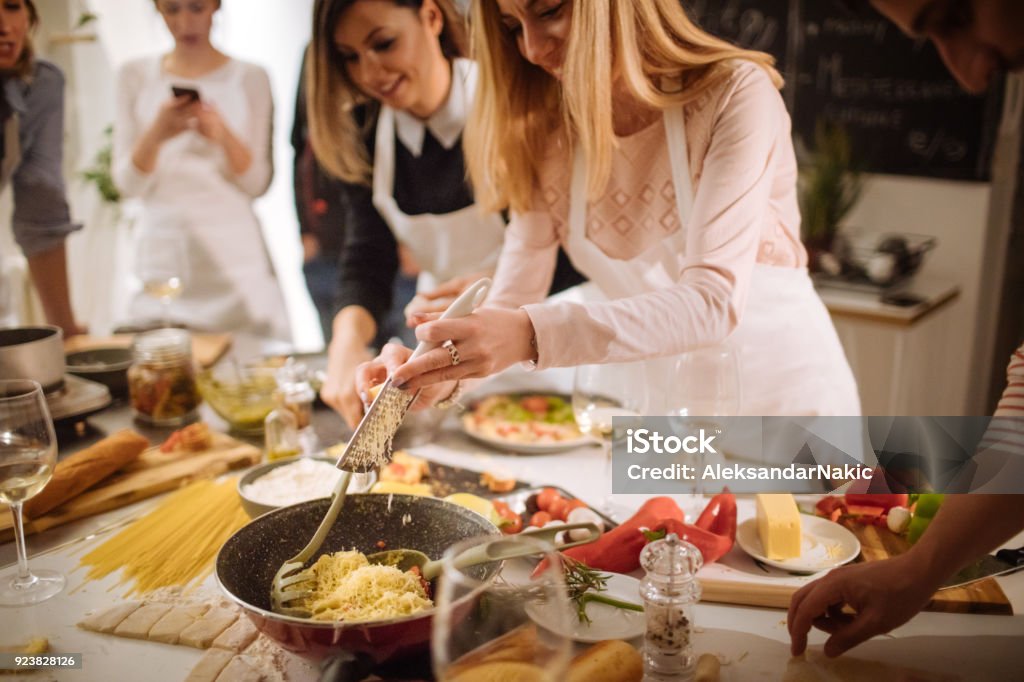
x=669, y=591
x=162, y=378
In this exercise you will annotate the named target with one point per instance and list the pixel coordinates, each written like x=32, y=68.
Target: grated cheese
x=346, y=587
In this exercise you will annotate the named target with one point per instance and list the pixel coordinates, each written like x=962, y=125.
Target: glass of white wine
x=28, y=453
x=706, y=385
x=602, y=392
x=161, y=264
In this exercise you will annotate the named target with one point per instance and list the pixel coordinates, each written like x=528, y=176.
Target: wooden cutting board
x=983, y=596
x=153, y=473
x=207, y=349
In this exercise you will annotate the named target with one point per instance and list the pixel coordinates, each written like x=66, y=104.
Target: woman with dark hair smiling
x=389, y=93
x=32, y=150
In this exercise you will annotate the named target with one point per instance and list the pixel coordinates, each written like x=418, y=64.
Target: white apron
x=791, y=361
x=230, y=284
x=444, y=246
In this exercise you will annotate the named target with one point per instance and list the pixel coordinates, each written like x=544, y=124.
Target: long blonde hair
x=664, y=61
x=331, y=96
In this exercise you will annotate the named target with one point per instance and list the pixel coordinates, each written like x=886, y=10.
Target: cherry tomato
x=539, y=519
x=558, y=508
x=535, y=403
x=546, y=497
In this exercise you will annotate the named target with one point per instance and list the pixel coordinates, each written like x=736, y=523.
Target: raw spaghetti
x=176, y=543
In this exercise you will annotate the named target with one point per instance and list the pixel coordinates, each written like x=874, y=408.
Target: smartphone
x=180, y=90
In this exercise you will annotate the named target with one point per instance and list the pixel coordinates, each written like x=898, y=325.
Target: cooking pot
x=35, y=353
x=249, y=559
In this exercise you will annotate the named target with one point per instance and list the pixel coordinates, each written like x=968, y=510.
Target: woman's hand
x=175, y=116
x=210, y=124
x=438, y=300
x=393, y=356
x=487, y=341
x=339, y=389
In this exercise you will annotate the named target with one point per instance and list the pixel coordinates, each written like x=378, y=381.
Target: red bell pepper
x=618, y=550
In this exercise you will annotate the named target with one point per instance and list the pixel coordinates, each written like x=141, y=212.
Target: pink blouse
x=745, y=212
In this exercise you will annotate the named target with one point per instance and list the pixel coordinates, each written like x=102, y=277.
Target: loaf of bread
x=609, y=661
x=82, y=470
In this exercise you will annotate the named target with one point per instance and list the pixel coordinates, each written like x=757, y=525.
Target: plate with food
x=524, y=423
x=823, y=545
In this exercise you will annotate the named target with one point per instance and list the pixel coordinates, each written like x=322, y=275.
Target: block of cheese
x=778, y=525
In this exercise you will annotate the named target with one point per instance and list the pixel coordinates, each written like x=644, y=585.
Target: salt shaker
x=669, y=591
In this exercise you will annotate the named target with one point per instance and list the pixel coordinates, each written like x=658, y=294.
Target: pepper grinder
x=669, y=591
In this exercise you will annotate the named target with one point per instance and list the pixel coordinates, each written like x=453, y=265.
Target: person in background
x=976, y=39
x=389, y=90
x=197, y=163
x=660, y=158
x=31, y=157
x=322, y=215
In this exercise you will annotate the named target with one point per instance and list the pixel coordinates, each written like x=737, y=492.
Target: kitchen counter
x=752, y=642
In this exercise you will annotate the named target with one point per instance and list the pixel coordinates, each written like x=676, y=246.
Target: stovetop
x=78, y=397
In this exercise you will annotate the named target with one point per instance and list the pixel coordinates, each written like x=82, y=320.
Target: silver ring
x=449, y=346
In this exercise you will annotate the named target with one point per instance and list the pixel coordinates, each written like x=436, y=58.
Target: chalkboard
x=905, y=114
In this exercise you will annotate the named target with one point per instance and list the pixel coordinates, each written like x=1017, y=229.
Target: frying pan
x=248, y=560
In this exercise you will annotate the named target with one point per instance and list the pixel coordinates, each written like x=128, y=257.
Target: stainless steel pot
x=35, y=353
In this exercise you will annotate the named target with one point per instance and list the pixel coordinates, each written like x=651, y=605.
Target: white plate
x=823, y=545
x=606, y=622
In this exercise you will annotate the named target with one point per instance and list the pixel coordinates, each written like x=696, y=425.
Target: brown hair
x=331, y=97
x=26, y=61
x=664, y=59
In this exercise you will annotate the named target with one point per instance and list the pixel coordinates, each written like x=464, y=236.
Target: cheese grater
x=370, y=445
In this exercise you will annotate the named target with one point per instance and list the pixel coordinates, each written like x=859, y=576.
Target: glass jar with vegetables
x=162, y=378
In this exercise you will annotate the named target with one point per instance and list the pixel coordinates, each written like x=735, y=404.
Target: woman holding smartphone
x=389, y=93
x=196, y=160
x=660, y=158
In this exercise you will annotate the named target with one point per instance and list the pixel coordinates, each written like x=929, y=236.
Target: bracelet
x=452, y=398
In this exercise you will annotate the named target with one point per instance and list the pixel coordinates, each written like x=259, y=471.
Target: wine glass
x=706, y=385
x=501, y=620
x=601, y=392
x=161, y=264
x=28, y=453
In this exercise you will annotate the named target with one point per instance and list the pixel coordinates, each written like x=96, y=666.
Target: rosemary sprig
x=583, y=583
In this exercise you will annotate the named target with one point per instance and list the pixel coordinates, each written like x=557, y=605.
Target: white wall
x=271, y=33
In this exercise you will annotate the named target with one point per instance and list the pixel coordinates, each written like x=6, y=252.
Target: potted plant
x=829, y=186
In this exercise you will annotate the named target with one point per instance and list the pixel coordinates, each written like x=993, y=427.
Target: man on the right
x=976, y=39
